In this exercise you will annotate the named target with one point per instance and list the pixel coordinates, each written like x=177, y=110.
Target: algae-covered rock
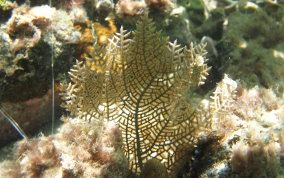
x=30, y=115
x=251, y=41
x=31, y=41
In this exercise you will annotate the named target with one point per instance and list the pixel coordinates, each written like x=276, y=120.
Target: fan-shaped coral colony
x=130, y=99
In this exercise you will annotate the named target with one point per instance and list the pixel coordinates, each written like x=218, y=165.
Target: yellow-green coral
x=7, y=5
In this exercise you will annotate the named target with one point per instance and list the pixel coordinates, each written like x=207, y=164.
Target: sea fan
x=140, y=81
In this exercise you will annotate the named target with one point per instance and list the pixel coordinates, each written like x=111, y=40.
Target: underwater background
x=142, y=88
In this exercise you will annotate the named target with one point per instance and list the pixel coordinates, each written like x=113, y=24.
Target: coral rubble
x=249, y=138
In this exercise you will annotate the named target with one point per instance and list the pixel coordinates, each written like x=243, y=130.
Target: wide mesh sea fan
x=140, y=81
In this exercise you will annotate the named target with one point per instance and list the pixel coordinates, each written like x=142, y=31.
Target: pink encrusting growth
x=133, y=8
x=81, y=148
